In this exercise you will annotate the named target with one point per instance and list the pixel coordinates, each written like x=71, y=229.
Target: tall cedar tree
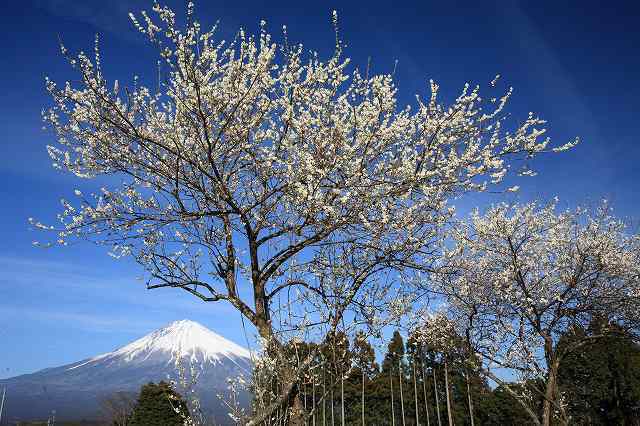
x=364, y=370
x=459, y=365
x=395, y=352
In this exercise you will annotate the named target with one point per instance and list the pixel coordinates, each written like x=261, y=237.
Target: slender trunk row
x=295, y=413
x=401, y=396
x=446, y=386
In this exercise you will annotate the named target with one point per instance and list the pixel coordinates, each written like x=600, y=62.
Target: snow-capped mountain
x=181, y=339
x=75, y=390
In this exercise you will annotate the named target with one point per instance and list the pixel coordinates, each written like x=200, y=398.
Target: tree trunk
x=401, y=396
x=415, y=392
x=550, y=394
x=324, y=393
x=446, y=384
x=313, y=396
x=535, y=417
x=435, y=389
x=424, y=392
x=332, y=408
x=393, y=414
x=470, y=400
x=342, y=398
x=335, y=372
x=363, y=397
x=297, y=415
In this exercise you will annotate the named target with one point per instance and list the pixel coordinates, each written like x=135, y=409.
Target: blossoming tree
x=254, y=164
x=520, y=277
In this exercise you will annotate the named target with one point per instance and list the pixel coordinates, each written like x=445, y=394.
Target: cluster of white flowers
x=436, y=331
x=521, y=276
x=252, y=154
x=185, y=385
x=273, y=138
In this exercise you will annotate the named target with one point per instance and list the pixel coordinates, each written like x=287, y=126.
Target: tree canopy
x=520, y=277
x=254, y=162
x=159, y=405
x=601, y=382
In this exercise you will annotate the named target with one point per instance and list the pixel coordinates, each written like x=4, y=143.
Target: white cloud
x=78, y=320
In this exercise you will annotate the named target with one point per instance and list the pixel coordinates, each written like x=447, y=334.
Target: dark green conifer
x=156, y=406
x=601, y=380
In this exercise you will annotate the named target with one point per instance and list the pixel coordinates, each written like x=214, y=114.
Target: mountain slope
x=75, y=390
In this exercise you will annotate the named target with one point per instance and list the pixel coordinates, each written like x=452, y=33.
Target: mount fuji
x=75, y=390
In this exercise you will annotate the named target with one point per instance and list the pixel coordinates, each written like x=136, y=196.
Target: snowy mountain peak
x=185, y=339
x=74, y=390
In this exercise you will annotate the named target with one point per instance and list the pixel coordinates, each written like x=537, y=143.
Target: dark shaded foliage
x=601, y=384
x=156, y=406
x=602, y=380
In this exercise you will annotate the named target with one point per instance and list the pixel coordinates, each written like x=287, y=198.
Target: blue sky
x=576, y=63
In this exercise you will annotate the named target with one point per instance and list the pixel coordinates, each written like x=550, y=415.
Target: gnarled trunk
x=550, y=394
x=297, y=413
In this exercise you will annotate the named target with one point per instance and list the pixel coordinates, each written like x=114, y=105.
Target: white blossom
x=257, y=162
x=520, y=277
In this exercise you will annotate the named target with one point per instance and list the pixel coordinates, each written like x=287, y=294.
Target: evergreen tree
x=395, y=353
x=157, y=405
x=499, y=408
x=364, y=357
x=392, y=369
x=365, y=369
x=454, y=365
x=601, y=384
x=602, y=380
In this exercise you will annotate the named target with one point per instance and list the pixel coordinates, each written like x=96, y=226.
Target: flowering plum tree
x=254, y=163
x=521, y=276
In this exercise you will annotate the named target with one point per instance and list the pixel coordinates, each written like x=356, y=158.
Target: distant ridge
x=74, y=390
